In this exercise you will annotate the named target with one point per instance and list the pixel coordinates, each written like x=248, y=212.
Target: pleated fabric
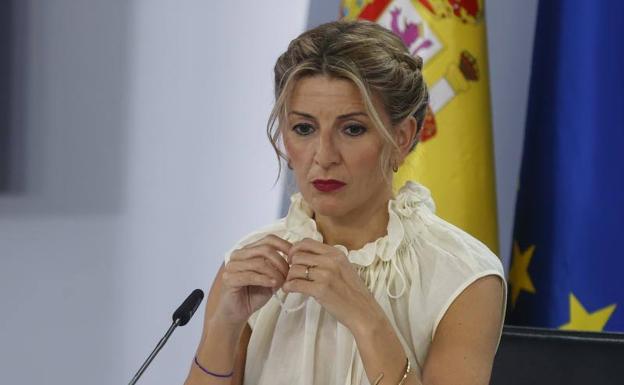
x=415, y=272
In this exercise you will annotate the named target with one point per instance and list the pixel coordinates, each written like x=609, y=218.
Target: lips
x=327, y=185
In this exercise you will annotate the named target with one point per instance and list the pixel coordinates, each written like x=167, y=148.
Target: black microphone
x=181, y=317
x=188, y=307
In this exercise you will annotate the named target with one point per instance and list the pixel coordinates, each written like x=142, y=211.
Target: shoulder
x=277, y=228
x=466, y=302
x=468, y=336
x=440, y=245
x=452, y=250
x=446, y=262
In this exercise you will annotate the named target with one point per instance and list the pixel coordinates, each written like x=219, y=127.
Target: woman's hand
x=334, y=282
x=250, y=276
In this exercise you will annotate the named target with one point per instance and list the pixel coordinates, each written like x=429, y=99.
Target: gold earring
x=395, y=167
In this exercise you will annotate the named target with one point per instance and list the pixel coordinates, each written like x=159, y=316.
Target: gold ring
x=307, y=273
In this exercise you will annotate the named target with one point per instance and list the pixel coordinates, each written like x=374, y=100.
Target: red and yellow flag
x=454, y=158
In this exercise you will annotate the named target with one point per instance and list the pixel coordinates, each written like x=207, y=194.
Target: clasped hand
x=257, y=269
x=332, y=280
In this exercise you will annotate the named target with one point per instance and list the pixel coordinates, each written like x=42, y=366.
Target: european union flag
x=568, y=262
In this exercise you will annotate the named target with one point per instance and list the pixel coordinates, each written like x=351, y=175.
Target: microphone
x=181, y=317
x=188, y=307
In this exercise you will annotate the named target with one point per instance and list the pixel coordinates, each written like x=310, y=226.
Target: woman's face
x=333, y=147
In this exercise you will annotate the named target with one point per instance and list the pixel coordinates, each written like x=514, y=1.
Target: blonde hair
x=367, y=54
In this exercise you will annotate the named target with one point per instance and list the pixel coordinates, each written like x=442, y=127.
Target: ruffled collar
x=411, y=197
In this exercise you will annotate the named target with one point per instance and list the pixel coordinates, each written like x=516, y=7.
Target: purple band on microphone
x=211, y=373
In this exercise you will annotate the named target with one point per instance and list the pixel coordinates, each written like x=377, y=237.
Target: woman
x=355, y=285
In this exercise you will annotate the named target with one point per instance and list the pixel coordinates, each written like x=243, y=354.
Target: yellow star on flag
x=580, y=319
x=519, y=278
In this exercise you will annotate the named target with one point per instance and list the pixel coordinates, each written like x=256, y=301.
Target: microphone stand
x=159, y=346
x=180, y=317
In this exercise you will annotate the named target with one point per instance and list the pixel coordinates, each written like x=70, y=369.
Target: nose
x=327, y=153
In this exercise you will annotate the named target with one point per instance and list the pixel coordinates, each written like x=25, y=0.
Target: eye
x=303, y=129
x=355, y=130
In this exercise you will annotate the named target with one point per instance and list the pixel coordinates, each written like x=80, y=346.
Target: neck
x=356, y=228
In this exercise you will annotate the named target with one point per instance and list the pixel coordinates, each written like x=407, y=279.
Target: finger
x=309, y=245
x=262, y=250
x=302, y=286
x=269, y=257
x=247, y=278
x=315, y=273
x=258, y=265
x=273, y=240
x=308, y=259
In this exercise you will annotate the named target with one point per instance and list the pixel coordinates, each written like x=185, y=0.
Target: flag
x=567, y=265
x=454, y=157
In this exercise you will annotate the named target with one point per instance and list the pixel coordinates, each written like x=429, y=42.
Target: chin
x=327, y=204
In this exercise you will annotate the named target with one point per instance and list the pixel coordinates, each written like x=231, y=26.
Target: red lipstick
x=327, y=185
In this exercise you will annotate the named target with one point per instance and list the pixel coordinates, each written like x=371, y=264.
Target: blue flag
x=567, y=268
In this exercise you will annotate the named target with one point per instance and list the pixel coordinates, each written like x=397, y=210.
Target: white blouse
x=414, y=272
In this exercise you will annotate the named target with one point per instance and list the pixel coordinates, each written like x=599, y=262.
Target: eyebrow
x=345, y=116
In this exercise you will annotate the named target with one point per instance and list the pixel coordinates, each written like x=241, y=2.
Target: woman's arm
x=463, y=348
x=241, y=357
x=241, y=287
x=223, y=346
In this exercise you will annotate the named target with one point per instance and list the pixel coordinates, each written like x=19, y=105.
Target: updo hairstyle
x=370, y=56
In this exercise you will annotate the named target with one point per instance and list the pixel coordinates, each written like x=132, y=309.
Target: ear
x=405, y=135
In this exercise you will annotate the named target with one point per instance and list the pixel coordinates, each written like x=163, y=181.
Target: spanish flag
x=454, y=157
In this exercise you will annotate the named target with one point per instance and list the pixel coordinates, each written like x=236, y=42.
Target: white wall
x=200, y=170
x=139, y=131
x=59, y=224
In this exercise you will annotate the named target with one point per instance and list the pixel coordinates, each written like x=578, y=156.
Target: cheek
x=366, y=162
x=295, y=149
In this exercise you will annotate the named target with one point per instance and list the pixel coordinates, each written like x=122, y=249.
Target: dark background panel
x=5, y=92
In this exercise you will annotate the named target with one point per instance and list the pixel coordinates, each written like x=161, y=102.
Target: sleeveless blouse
x=414, y=272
